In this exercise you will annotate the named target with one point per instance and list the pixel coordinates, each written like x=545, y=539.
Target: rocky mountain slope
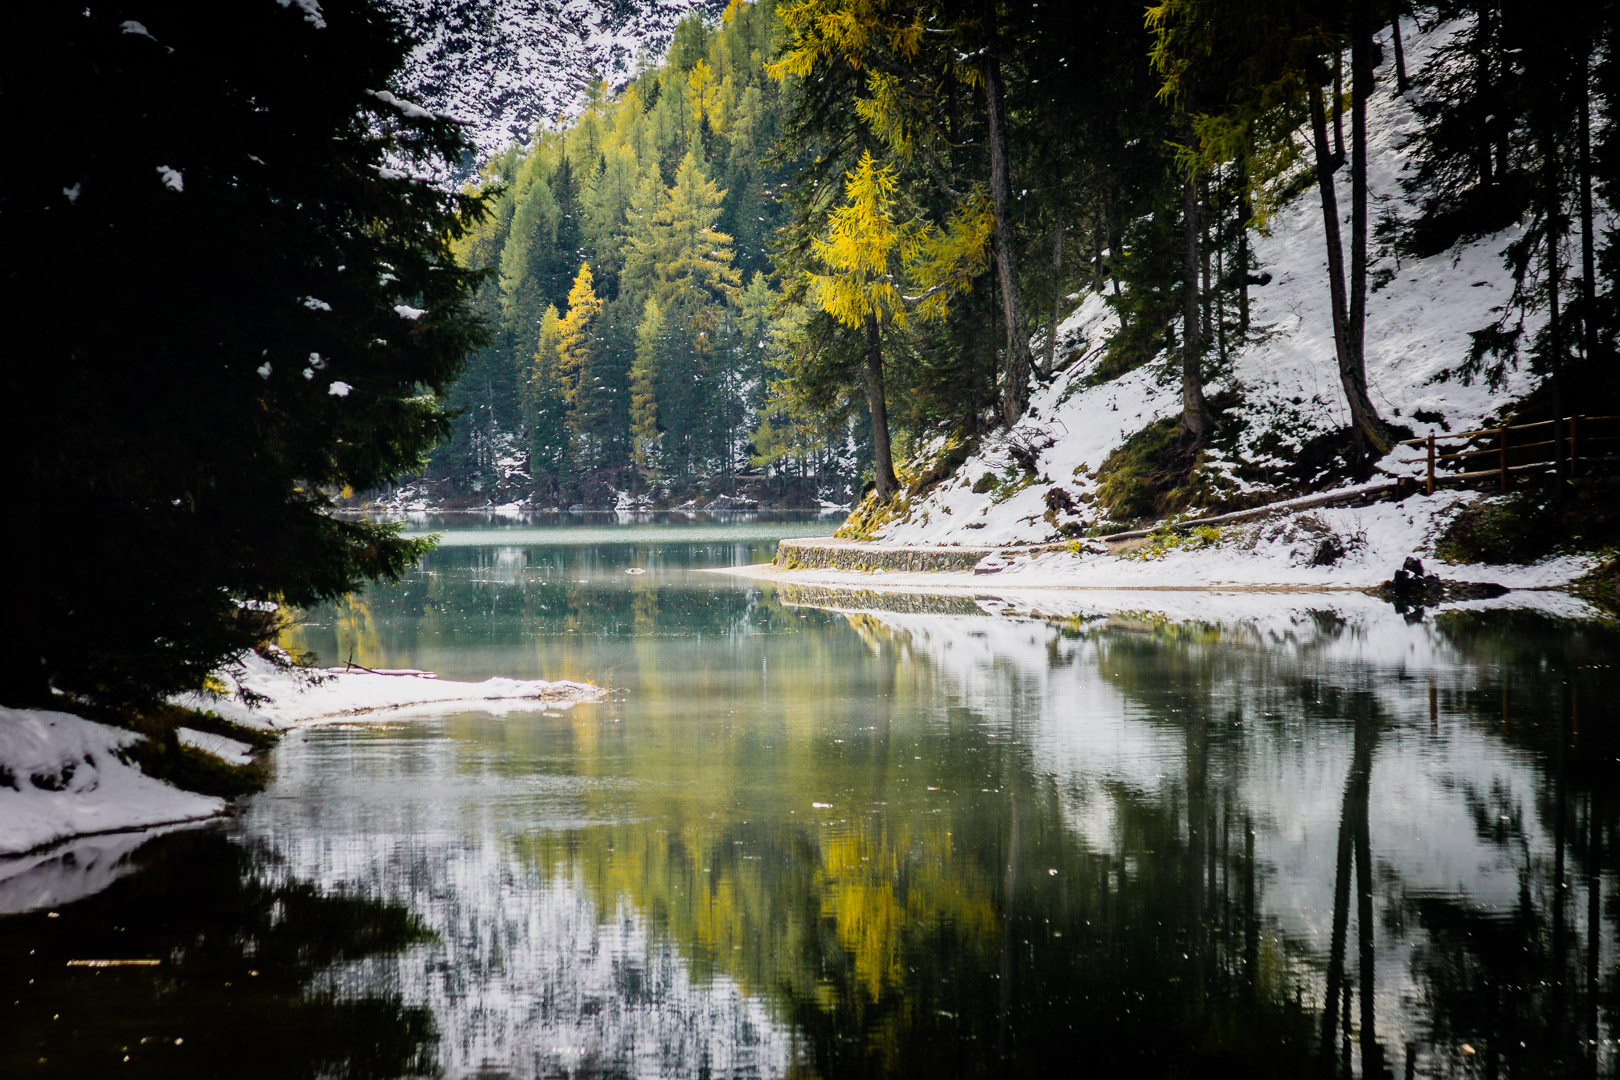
x=507, y=65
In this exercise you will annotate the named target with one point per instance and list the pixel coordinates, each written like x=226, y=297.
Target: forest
x=821, y=235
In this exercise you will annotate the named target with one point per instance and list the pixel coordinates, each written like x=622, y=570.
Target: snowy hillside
x=1418, y=328
x=506, y=65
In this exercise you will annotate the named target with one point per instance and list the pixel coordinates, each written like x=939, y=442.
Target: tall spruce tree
x=264, y=309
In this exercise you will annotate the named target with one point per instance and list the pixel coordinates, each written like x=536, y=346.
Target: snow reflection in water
x=1120, y=831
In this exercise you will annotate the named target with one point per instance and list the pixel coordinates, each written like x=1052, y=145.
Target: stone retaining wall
x=825, y=553
x=868, y=600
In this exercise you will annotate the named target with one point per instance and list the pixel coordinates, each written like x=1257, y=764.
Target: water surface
x=830, y=835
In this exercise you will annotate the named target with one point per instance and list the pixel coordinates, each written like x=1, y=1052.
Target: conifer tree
x=644, y=379
x=862, y=254
x=575, y=345
x=546, y=409
x=265, y=308
x=676, y=252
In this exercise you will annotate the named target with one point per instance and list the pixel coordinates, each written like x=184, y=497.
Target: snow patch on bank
x=1345, y=547
x=62, y=776
x=297, y=696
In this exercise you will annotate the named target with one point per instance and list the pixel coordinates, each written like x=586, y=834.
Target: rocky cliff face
x=507, y=65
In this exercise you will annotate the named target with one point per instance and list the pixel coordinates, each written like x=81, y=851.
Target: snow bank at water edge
x=62, y=776
x=296, y=696
x=1348, y=547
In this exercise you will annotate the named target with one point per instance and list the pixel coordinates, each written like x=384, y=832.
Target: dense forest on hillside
x=825, y=233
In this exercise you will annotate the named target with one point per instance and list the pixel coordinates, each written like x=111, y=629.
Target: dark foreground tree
x=228, y=294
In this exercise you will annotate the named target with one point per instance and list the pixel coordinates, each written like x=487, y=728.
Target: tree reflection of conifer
x=248, y=984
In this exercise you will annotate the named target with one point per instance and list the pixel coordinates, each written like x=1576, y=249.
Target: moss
x=870, y=515
x=194, y=770
x=1532, y=524
x=1497, y=530
x=1151, y=475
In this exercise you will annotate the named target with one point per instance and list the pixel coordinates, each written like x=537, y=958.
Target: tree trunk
x=1015, y=390
x=1338, y=108
x=1352, y=376
x=1330, y=221
x=1207, y=296
x=882, y=461
x=1057, y=294
x=1247, y=211
x=1555, y=328
x=1588, y=242
x=1114, y=238
x=1371, y=433
x=1402, y=84
x=1195, y=419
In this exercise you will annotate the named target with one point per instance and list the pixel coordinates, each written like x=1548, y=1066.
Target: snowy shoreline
x=1286, y=552
x=65, y=778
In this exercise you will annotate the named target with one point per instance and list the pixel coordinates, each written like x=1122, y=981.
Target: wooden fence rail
x=1588, y=443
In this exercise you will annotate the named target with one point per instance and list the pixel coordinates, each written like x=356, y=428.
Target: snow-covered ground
x=1418, y=327
x=63, y=776
x=295, y=697
x=1368, y=544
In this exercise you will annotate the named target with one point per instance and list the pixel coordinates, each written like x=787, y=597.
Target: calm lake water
x=816, y=834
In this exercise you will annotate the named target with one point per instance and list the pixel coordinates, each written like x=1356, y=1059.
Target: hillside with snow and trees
x=1012, y=286
x=980, y=276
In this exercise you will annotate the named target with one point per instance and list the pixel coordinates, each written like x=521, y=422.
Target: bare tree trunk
x=1114, y=238
x=1015, y=390
x=1338, y=108
x=1330, y=223
x=1402, y=83
x=1195, y=419
x=1365, y=426
x=1555, y=332
x=1220, y=271
x=882, y=461
x=1247, y=211
x=1371, y=433
x=1207, y=298
x=1057, y=294
x=1588, y=243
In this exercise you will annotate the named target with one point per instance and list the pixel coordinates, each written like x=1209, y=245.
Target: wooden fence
x=1583, y=442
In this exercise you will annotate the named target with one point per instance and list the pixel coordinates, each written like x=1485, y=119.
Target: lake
x=828, y=834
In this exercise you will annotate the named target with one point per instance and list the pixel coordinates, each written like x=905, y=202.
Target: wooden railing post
x=1501, y=436
x=1429, y=487
x=1574, y=444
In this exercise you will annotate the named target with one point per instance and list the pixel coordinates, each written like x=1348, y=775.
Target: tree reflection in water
x=245, y=986
x=1286, y=842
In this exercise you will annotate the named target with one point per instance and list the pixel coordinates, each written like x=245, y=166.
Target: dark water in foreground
x=932, y=841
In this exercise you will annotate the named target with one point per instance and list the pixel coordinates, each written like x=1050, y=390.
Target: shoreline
x=65, y=778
